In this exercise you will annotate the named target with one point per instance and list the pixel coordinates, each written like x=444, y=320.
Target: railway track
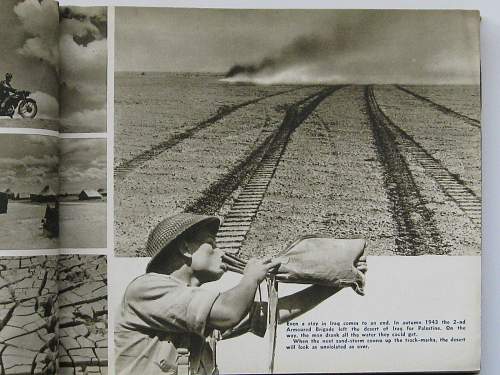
x=124, y=168
x=252, y=177
x=415, y=223
x=473, y=122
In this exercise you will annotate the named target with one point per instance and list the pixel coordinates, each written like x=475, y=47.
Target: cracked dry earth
x=36, y=311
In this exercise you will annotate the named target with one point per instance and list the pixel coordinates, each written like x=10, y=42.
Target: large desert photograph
x=284, y=131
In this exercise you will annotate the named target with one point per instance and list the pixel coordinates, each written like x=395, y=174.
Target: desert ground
x=20, y=227
x=83, y=224
x=397, y=165
x=7, y=122
x=46, y=298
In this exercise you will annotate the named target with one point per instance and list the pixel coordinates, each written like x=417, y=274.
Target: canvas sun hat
x=170, y=229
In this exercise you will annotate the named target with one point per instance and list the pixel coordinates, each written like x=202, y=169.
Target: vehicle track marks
x=442, y=108
x=127, y=166
x=416, y=227
x=254, y=174
x=450, y=183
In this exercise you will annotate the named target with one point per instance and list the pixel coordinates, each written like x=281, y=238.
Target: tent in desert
x=46, y=195
x=102, y=191
x=87, y=194
x=22, y=196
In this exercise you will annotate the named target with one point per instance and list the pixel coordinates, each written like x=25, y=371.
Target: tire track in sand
x=253, y=174
x=127, y=166
x=416, y=226
x=442, y=108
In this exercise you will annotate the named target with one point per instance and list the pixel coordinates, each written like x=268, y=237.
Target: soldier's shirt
x=161, y=315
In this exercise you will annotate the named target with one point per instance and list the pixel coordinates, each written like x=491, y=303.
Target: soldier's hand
x=258, y=269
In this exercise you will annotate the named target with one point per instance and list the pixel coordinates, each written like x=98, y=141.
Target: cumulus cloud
x=83, y=164
x=83, y=49
x=39, y=19
x=46, y=161
x=29, y=173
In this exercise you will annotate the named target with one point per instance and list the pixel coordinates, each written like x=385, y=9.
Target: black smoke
x=304, y=49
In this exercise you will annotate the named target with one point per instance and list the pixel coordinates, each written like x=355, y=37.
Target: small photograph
x=353, y=124
x=83, y=194
x=29, y=185
x=83, y=67
x=29, y=309
x=54, y=308
x=83, y=314
x=29, y=64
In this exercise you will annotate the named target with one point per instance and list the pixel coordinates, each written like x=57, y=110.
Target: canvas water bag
x=318, y=260
x=323, y=260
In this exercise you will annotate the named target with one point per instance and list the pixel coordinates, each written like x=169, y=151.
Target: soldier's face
x=206, y=260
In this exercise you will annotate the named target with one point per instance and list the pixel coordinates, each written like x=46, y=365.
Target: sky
x=83, y=164
x=83, y=65
x=29, y=50
x=353, y=46
x=28, y=163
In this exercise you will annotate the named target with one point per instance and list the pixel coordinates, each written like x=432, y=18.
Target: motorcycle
x=26, y=107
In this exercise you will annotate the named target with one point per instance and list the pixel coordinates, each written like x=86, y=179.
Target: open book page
x=53, y=303
x=290, y=191
x=278, y=124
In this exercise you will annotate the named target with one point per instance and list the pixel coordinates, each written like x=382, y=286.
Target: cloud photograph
x=29, y=185
x=30, y=56
x=83, y=195
x=83, y=62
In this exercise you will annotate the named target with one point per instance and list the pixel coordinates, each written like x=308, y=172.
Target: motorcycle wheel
x=27, y=108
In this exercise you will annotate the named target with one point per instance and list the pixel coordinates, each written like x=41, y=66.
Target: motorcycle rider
x=5, y=90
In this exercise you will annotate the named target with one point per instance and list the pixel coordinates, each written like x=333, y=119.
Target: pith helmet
x=171, y=228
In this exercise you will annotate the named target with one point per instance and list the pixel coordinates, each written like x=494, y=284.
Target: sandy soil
x=465, y=100
x=20, y=227
x=452, y=141
x=175, y=178
x=147, y=112
x=7, y=122
x=330, y=179
x=83, y=224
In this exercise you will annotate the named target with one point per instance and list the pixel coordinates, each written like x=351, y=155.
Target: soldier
x=166, y=318
x=5, y=90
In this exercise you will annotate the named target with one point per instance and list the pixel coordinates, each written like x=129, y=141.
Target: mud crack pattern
x=53, y=309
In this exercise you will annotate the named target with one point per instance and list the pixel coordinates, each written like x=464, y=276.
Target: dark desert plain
x=397, y=165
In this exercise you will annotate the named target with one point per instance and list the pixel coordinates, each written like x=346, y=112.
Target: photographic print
x=84, y=58
x=338, y=125
x=54, y=312
x=83, y=314
x=299, y=183
x=29, y=186
x=83, y=197
x=29, y=65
